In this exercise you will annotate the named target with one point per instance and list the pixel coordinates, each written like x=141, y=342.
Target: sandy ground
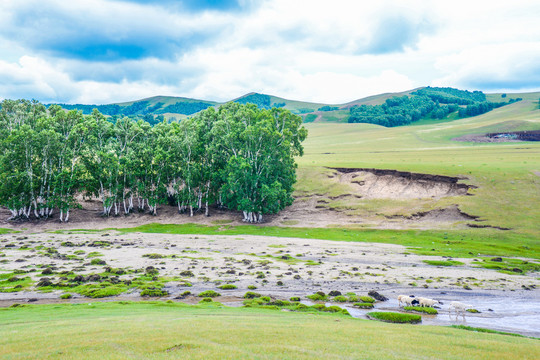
x=318, y=265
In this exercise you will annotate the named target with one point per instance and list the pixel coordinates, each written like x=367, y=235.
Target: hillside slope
x=181, y=107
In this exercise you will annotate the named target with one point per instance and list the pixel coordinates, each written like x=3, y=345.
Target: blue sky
x=103, y=51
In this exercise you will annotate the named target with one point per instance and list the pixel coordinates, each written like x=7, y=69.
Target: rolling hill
x=171, y=107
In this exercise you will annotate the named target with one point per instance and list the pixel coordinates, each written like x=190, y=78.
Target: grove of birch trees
x=237, y=157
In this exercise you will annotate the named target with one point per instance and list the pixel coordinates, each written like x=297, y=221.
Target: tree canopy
x=238, y=157
x=429, y=102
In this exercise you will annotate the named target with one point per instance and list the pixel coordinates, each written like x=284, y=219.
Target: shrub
x=66, y=296
x=474, y=311
x=318, y=296
x=209, y=293
x=251, y=295
x=363, y=305
x=206, y=300
x=150, y=270
x=340, y=298
x=153, y=292
x=398, y=318
x=98, y=262
x=295, y=298
x=154, y=256
x=252, y=287
x=187, y=273
x=334, y=293
x=367, y=299
x=427, y=310
x=279, y=303
x=228, y=287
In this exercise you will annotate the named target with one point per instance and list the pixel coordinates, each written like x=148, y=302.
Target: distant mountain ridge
x=181, y=107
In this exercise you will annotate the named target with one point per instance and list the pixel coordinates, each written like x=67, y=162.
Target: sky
x=105, y=51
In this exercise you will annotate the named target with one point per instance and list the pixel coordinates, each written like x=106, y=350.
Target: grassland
x=156, y=330
x=505, y=174
x=463, y=243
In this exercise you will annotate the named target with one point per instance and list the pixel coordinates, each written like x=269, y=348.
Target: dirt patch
x=393, y=184
x=449, y=214
x=509, y=136
x=315, y=210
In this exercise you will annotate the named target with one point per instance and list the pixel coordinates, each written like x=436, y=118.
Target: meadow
x=159, y=330
x=506, y=174
x=506, y=194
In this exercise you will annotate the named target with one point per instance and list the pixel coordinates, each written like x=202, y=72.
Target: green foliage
x=153, y=292
x=436, y=103
x=260, y=100
x=367, y=299
x=340, y=298
x=251, y=295
x=364, y=305
x=239, y=156
x=443, y=262
x=427, y=310
x=267, y=303
x=186, y=108
x=98, y=262
x=66, y=296
x=100, y=290
x=328, y=108
x=398, y=318
x=11, y=282
x=228, y=287
x=318, y=296
x=209, y=293
x=154, y=256
x=509, y=265
x=451, y=95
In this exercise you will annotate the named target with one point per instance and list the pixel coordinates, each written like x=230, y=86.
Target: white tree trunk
x=67, y=216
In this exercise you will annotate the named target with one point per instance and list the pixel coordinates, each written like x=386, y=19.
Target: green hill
x=181, y=107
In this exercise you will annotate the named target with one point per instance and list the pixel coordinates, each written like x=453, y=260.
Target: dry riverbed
x=278, y=267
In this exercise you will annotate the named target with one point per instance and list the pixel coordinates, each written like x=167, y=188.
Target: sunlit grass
x=157, y=330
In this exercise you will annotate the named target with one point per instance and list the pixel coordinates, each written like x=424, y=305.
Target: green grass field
x=507, y=174
x=157, y=330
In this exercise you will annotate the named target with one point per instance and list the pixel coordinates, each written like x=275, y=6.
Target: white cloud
x=324, y=52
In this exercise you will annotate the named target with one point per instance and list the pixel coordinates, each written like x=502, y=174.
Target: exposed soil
x=316, y=265
x=393, y=184
x=311, y=211
x=510, y=136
